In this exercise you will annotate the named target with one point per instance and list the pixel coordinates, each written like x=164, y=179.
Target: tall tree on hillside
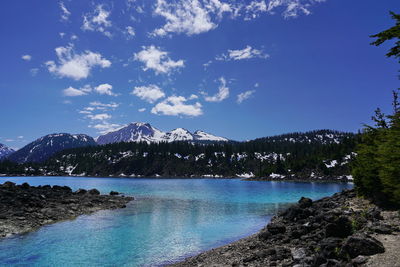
x=377, y=167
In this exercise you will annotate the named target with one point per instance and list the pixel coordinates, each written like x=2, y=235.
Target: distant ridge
x=46, y=146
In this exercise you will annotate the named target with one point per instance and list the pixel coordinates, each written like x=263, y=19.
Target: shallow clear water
x=169, y=220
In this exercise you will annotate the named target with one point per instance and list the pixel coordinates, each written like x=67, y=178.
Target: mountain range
x=144, y=132
x=46, y=146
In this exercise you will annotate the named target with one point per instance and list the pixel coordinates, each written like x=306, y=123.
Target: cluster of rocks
x=341, y=230
x=24, y=208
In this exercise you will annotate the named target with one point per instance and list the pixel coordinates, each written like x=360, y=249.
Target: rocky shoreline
x=25, y=208
x=342, y=230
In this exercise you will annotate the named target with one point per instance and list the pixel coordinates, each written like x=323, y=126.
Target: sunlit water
x=170, y=219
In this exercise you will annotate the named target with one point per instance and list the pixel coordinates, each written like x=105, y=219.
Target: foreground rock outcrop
x=24, y=208
x=341, y=230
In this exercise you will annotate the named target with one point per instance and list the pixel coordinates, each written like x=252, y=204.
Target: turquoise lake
x=170, y=219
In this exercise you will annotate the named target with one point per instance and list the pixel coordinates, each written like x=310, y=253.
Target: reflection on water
x=169, y=219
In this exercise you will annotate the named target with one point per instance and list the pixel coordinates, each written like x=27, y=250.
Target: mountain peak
x=5, y=151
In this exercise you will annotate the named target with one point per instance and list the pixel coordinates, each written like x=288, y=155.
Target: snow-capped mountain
x=178, y=134
x=46, y=146
x=144, y=132
x=134, y=132
x=203, y=136
x=5, y=151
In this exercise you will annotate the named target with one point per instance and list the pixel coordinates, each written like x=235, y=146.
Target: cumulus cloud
x=75, y=66
x=176, y=106
x=223, y=92
x=150, y=93
x=142, y=109
x=188, y=16
x=102, y=89
x=71, y=91
x=65, y=12
x=198, y=16
x=99, y=117
x=155, y=59
x=130, y=32
x=97, y=21
x=245, y=95
x=105, y=89
x=105, y=127
x=246, y=53
x=26, y=57
x=100, y=121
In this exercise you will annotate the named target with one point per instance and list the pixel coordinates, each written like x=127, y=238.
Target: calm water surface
x=169, y=220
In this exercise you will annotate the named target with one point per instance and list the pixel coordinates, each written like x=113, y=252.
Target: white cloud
x=207, y=64
x=198, y=16
x=62, y=34
x=223, y=92
x=102, y=89
x=193, y=97
x=97, y=21
x=256, y=85
x=142, y=109
x=99, y=117
x=105, y=127
x=103, y=106
x=105, y=89
x=75, y=66
x=185, y=16
x=157, y=60
x=150, y=93
x=292, y=8
x=175, y=106
x=65, y=12
x=130, y=32
x=70, y=91
x=245, y=95
x=26, y=57
x=240, y=54
x=20, y=137
x=254, y=9
x=74, y=37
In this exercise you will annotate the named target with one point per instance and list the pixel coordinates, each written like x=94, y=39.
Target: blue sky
x=239, y=69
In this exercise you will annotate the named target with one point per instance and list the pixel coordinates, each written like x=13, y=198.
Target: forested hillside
x=313, y=154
